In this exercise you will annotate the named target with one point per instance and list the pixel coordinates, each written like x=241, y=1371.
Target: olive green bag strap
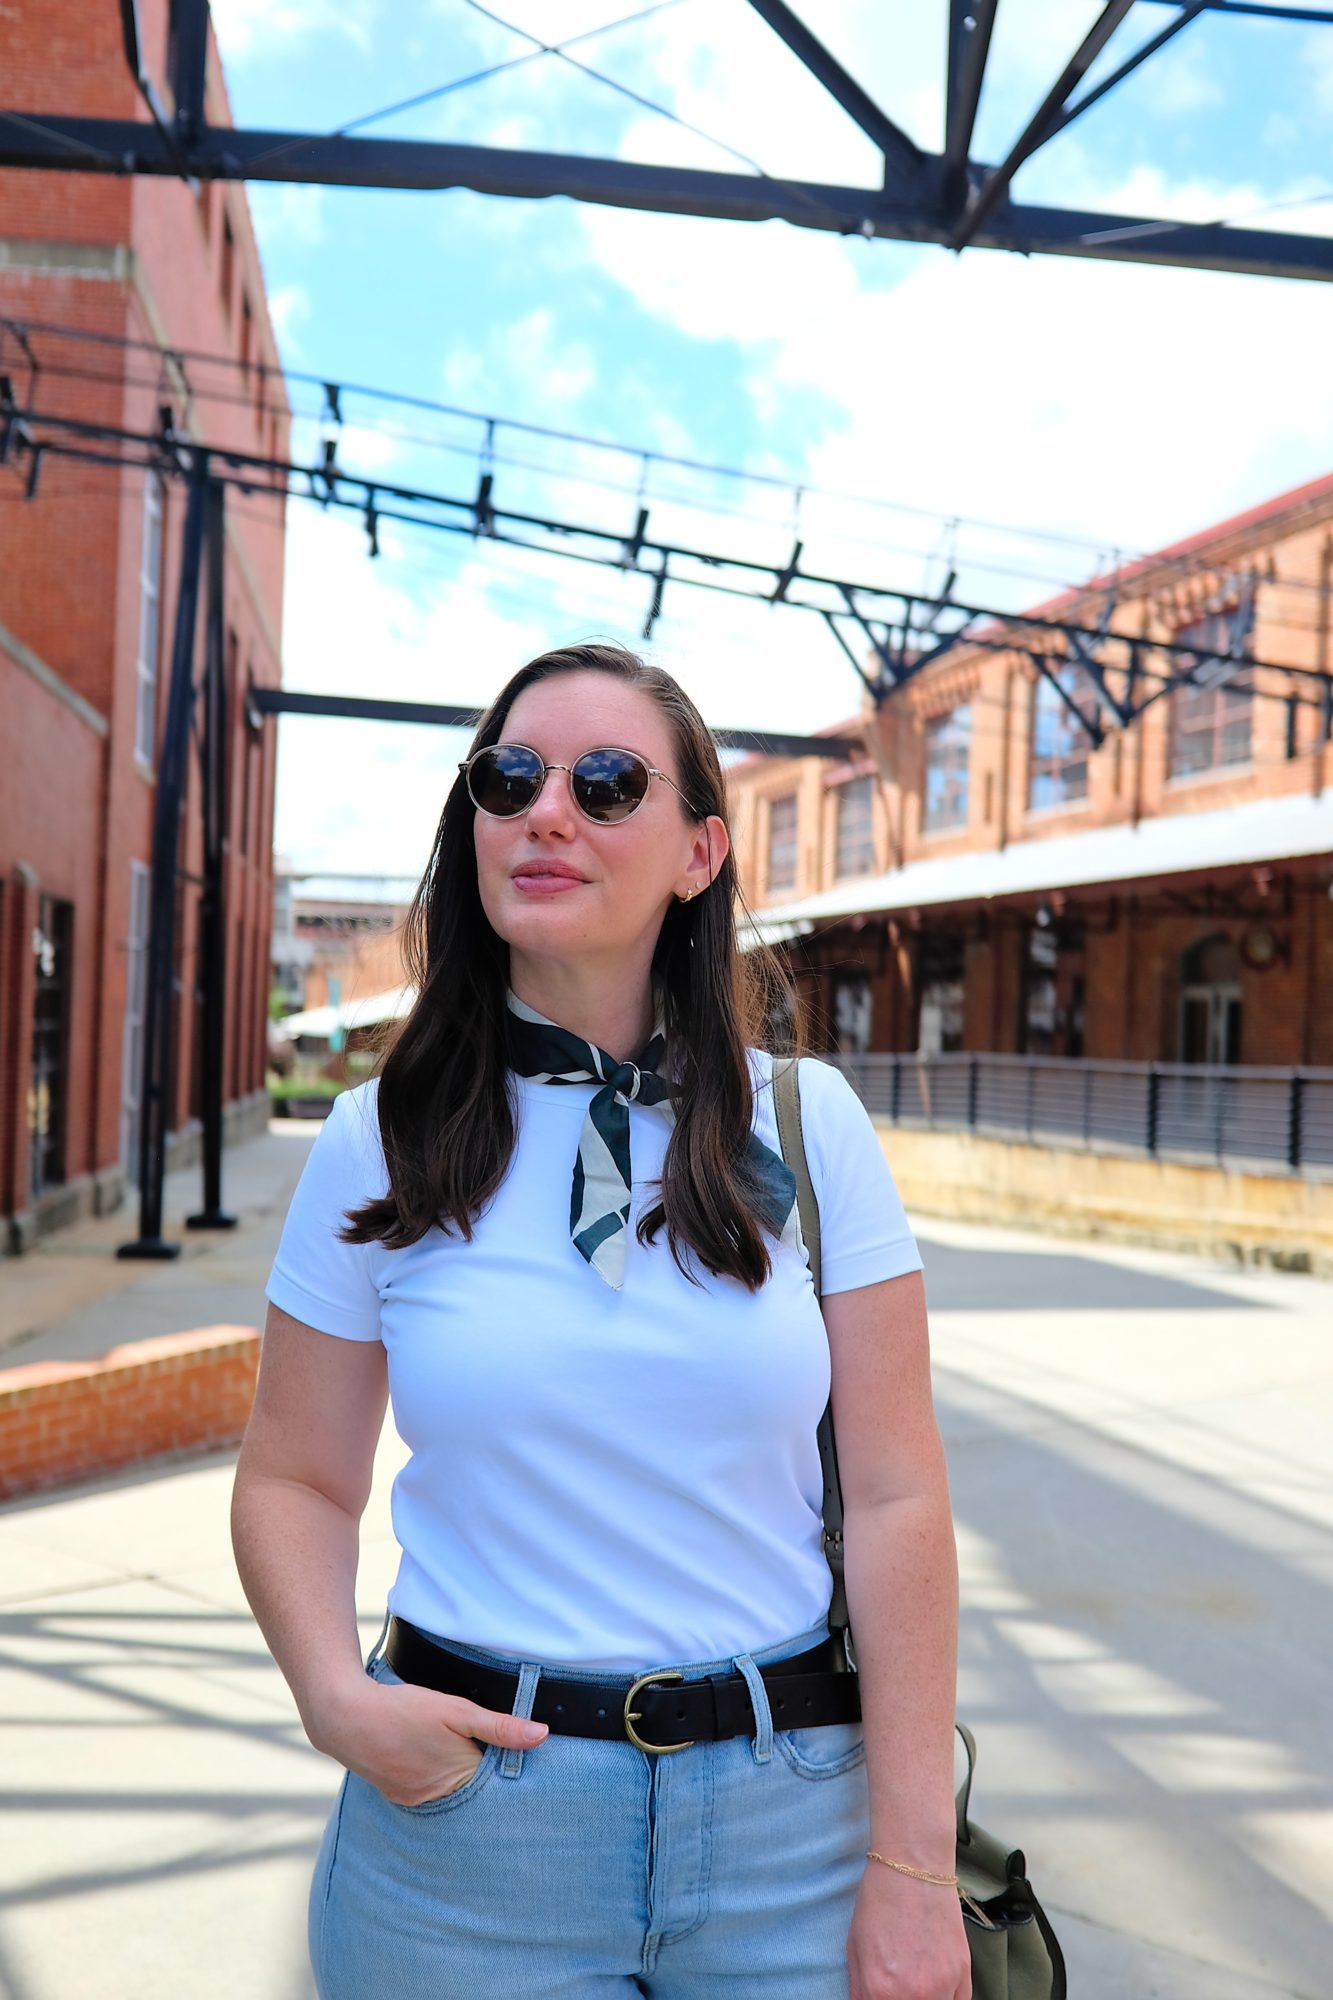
x=1015, y=1953
x=787, y=1105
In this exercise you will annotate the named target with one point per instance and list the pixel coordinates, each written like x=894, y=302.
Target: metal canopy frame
x=946, y=198
x=1118, y=675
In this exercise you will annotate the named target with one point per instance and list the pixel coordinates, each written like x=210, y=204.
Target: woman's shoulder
x=826, y=1096
x=354, y=1120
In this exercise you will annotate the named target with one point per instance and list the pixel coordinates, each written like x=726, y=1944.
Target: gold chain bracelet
x=917, y=1874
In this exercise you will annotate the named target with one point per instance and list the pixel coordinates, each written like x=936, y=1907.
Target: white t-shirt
x=598, y=1478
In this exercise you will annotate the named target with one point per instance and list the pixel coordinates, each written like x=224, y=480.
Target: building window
x=1210, y=718
x=782, y=842
x=854, y=844
x=226, y=263
x=1210, y=1002
x=150, y=613
x=852, y=1015
x=940, y=992
x=1054, y=988
x=247, y=332
x=948, y=739
x=1058, y=772
x=48, y=1089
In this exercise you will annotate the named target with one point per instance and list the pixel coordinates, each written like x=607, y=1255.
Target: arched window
x=1210, y=1001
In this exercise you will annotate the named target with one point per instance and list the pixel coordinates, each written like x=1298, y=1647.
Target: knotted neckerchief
x=600, y=1195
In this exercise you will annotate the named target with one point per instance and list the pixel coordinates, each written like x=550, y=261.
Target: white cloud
x=288, y=307
x=247, y=28
x=289, y=213
x=1114, y=402
x=1316, y=64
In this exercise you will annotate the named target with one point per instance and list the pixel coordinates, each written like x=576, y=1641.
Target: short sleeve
x=864, y=1234
x=315, y=1277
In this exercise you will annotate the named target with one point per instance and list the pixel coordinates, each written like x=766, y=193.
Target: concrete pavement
x=1139, y=1447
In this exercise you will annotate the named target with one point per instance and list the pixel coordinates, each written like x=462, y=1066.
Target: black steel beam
x=156, y=1112
x=970, y=25
x=212, y=983
x=287, y=701
x=1042, y=123
x=901, y=155
x=115, y=146
x=189, y=64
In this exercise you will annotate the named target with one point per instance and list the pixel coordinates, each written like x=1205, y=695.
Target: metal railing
x=1250, y=1119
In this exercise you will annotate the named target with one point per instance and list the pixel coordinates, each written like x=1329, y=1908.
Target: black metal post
x=1296, y=1122
x=973, y=1078
x=159, y=1025
x=1150, y=1121
x=212, y=902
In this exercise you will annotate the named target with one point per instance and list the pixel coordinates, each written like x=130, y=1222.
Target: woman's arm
x=302, y=1481
x=901, y=1574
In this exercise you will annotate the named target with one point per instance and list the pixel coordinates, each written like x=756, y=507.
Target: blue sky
x=1111, y=406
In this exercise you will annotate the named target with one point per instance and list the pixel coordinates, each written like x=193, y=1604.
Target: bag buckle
x=634, y=1715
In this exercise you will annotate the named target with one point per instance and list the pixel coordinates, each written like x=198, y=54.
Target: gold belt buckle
x=633, y=1715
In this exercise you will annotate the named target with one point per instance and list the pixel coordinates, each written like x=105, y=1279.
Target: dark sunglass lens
x=505, y=779
x=609, y=784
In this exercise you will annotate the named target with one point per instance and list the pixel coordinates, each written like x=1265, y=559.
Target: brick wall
x=131, y=261
x=67, y=1420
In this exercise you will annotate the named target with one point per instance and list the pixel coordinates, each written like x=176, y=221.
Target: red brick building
x=981, y=879
x=134, y=271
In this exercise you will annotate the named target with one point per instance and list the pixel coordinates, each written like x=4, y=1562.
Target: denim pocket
x=823, y=1750
x=380, y=1671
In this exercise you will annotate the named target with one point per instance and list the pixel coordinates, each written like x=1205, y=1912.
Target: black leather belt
x=656, y=1711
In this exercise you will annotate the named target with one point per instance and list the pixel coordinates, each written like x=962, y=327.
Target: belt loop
x=511, y=1763
x=374, y=1652
x=763, y=1714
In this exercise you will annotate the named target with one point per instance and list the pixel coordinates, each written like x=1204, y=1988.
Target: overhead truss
x=946, y=198
x=1101, y=677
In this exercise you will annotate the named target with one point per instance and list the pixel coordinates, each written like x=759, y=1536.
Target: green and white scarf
x=599, y=1203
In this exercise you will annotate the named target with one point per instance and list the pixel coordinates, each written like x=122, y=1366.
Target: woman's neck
x=611, y=1014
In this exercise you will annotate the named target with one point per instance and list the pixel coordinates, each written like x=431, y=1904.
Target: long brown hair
x=446, y=1114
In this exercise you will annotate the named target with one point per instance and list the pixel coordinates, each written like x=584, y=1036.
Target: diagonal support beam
x=1048, y=667
x=1081, y=651
x=901, y=156
x=1189, y=12
x=1043, y=122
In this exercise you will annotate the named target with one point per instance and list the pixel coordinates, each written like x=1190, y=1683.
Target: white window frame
x=150, y=622
x=136, y=1007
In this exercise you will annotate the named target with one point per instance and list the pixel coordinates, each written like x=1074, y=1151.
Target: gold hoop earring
x=686, y=897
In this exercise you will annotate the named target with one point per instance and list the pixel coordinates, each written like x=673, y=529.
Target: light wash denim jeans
x=587, y=1870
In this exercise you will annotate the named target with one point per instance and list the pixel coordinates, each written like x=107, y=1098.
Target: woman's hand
x=906, y=1940
x=413, y=1743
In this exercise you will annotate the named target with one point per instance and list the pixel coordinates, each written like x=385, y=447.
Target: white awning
x=1176, y=844
x=321, y=1021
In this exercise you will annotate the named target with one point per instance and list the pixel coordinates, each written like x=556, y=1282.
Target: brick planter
x=67, y=1420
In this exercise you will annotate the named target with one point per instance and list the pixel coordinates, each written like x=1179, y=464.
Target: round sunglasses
x=608, y=785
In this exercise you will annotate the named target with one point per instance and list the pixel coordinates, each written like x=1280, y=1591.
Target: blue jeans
x=586, y=1870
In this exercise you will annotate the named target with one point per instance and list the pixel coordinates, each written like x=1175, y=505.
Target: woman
x=558, y=1231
